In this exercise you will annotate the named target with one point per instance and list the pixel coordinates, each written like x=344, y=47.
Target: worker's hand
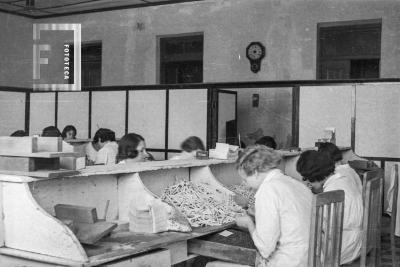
x=241, y=201
x=245, y=222
x=251, y=211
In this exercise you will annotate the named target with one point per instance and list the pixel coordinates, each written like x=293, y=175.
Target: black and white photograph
x=199, y=133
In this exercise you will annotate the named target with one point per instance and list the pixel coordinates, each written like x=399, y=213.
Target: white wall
x=15, y=51
x=287, y=28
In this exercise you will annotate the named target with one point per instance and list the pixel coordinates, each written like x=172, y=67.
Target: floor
x=386, y=256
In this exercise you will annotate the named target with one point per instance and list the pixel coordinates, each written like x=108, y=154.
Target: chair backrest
x=394, y=200
x=372, y=219
x=368, y=176
x=326, y=229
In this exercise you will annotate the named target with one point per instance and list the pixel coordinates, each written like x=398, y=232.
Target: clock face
x=255, y=51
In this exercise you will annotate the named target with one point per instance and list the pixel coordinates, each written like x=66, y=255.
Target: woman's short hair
x=331, y=150
x=258, y=158
x=192, y=143
x=104, y=135
x=315, y=166
x=51, y=131
x=127, y=146
x=267, y=141
x=67, y=129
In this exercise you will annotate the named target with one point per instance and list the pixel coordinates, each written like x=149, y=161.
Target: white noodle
x=198, y=204
x=245, y=191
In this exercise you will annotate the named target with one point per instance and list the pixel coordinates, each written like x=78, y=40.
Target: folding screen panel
x=73, y=109
x=378, y=120
x=187, y=116
x=42, y=112
x=108, y=111
x=325, y=106
x=146, y=117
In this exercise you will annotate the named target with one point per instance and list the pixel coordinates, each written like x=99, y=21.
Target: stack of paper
x=224, y=151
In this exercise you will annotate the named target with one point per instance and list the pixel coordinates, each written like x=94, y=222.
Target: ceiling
x=55, y=8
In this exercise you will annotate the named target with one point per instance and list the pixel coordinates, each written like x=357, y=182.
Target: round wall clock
x=255, y=52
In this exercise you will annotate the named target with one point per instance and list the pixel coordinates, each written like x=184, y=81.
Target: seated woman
x=267, y=141
x=51, y=131
x=344, y=169
x=108, y=147
x=19, y=133
x=282, y=210
x=319, y=170
x=189, y=148
x=132, y=148
x=69, y=132
x=91, y=150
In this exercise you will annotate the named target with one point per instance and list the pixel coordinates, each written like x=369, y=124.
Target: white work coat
x=353, y=215
x=91, y=153
x=346, y=170
x=107, y=154
x=283, y=218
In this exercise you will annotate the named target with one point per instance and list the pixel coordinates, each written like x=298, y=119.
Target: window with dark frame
x=181, y=59
x=349, y=50
x=90, y=64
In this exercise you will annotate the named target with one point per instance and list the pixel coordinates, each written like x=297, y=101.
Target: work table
x=30, y=234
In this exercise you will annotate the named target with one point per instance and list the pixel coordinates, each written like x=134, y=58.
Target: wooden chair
x=326, y=229
x=371, y=246
x=368, y=176
x=392, y=228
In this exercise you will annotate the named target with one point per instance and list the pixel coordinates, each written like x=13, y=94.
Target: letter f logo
x=37, y=60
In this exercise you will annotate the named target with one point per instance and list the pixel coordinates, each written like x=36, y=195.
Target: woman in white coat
x=105, y=139
x=343, y=168
x=282, y=210
x=319, y=170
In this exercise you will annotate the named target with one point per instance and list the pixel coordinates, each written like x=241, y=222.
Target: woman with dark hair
x=331, y=150
x=91, y=150
x=189, y=148
x=19, y=133
x=267, y=141
x=51, y=131
x=319, y=170
x=69, y=132
x=192, y=143
x=315, y=168
x=132, y=148
x=108, y=148
x=282, y=210
x=344, y=169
